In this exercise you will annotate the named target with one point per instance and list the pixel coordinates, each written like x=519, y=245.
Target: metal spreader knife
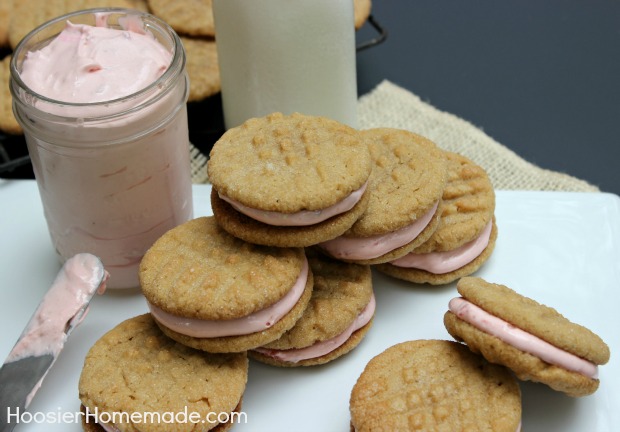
x=62, y=309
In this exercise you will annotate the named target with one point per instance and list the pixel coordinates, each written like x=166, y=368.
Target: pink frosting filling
x=252, y=323
x=326, y=346
x=302, y=218
x=108, y=427
x=79, y=278
x=357, y=248
x=520, y=339
x=445, y=262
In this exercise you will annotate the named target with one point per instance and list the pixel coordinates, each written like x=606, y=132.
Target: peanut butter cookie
x=535, y=341
x=289, y=180
x=434, y=385
x=25, y=17
x=135, y=369
x=8, y=122
x=406, y=186
x=466, y=235
x=338, y=316
x=212, y=291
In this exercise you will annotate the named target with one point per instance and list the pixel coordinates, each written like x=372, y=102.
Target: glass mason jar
x=113, y=175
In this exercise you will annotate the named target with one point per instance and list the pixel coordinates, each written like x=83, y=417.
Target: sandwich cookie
x=211, y=291
x=466, y=235
x=535, y=341
x=289, y=181
x=406, y=186
x=434, y=385
x=135, y=370
x=338, y=316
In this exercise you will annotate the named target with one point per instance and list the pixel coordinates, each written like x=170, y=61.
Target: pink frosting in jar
x=98, y=64
x=104, y=115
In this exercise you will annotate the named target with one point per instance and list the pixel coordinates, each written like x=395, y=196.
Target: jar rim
x=176, y=66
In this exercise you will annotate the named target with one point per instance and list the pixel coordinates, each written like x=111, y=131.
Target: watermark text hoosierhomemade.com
x=18, y=416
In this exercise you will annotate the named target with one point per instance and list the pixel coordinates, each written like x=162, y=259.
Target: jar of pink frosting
x=101, y=96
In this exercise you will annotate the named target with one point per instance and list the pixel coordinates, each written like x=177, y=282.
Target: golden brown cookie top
x=197, y=270
x=434, y=385
x=535, y=318
x=190, y=17
x=289, y=163
x=8, y=122
x=526, y=367
x=468, y=206
x=6, y=10
x=135, y=368
x=341, y=291
x=25, y=17
x=202, y=67
x=361, y=12
x=408, y=179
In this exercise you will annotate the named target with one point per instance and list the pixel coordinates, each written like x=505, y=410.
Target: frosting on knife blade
x=63, y=307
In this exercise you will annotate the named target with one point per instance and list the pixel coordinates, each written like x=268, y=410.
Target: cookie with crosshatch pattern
x=466, y=234
x=289, y=180
x=135, y=368
x=535, y=341
x=408, y=178
x=336, y=320
x=434, y=385
x=215, y=292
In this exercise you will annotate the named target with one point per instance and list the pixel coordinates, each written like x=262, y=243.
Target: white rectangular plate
x=561, y=249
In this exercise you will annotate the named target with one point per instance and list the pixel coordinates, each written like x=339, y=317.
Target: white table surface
x=561, y=249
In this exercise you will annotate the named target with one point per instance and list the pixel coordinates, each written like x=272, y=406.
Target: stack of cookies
x=342, y=199
x=465, y=236
x=246, y=279
x=382, y=197
x=447, y=385
x=217, y=290
x=303, y=208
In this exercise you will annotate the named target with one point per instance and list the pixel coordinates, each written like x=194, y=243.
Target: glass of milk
x=111, y=159
x=286, y=56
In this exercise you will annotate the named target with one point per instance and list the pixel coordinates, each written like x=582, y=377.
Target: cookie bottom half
x=89, y=422
x=353, y=341
x=229, y=344
x=253, y=231
x=525, y=366
x=425, y=277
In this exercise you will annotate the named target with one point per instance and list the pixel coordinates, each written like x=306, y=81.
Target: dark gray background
x=540, y=77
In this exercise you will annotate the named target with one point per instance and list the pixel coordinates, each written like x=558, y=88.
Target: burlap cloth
x=389, y=105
